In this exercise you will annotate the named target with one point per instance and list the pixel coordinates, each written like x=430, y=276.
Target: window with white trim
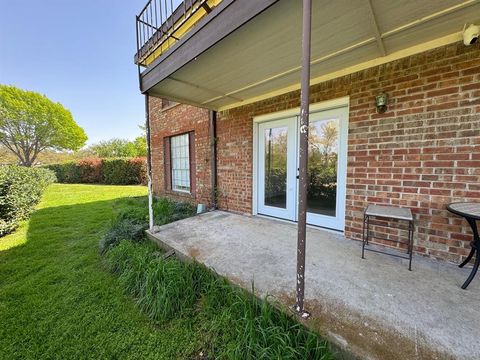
x=180, y=162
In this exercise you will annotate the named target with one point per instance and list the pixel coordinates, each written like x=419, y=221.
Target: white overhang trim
x=442, y=41
x=315, y=107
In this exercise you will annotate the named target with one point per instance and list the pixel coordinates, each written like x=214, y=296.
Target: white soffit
x=262, y=58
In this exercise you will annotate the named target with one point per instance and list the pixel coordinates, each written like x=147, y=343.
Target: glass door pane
x=322, y=167
x=275, y=153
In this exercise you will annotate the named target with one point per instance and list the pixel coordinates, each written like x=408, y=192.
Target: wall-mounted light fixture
x=471, y=34
x=381, y=101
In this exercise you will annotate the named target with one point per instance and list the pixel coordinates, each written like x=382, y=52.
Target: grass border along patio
x=59, y=299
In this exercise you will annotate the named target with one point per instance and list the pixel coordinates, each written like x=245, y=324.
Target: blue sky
x=79, y=53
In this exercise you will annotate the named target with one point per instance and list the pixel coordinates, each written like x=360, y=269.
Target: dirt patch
x=363, y=336
x=193, y=252
x=240, y=282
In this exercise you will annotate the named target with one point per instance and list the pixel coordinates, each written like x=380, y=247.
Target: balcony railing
x=160, y=25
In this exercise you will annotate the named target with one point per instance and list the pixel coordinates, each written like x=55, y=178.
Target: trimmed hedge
x=66, y=173
x=21, y=189
x=116, y=171
x=124, y=171
x=89, y=170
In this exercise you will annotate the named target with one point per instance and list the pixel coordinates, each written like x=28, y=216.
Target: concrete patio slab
x=375, y=308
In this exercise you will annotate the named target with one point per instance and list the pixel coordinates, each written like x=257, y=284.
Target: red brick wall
x=175, y=120
x=423, y=153
x=234, y=162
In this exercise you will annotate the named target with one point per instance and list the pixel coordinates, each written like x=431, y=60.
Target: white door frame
x=342, y=161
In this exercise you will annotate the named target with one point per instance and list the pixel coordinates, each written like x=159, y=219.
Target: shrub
x=120, y=171
x=21, y=189
x=57, y=169
x=117, y=171
x=67, y=172
x=90, y=170
x=138, y=166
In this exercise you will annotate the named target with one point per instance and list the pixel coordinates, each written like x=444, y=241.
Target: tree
x=31, y=123
x=141, y=145
x=120, y=148
x=323, y=138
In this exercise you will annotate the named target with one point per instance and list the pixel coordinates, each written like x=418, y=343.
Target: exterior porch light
x=470, y=34
x=381, y=102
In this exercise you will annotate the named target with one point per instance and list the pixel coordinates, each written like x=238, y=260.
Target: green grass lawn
x=61, y=299
x=57, y=301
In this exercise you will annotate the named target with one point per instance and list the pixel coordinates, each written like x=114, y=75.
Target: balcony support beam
x=149, y=163
x=303, y=158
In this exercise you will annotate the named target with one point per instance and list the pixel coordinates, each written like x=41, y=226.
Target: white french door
x=327, y=164
x=277, y=164
x=277, y=183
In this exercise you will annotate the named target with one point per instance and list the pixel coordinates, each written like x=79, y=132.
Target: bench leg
x=368, y=229
x=410, y=244
x=364, y=237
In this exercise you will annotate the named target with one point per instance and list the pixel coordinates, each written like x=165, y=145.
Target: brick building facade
x=423, y=153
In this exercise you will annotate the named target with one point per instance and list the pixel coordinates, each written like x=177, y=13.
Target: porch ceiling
x=262, y=58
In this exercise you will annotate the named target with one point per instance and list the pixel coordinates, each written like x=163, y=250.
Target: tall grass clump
x=161, y=288
x=165, y=210
x=232, y=323
x=130, y=219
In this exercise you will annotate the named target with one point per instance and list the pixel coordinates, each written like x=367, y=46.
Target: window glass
x=180, y=159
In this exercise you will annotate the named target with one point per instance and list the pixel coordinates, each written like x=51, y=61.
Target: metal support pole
x=303, y=158
x=149, y=164
x=213, y=156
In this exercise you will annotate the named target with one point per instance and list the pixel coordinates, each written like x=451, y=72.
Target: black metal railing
x=158, y=23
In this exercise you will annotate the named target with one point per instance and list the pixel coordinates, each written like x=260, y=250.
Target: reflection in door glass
x=322, y=167
x=276, y=167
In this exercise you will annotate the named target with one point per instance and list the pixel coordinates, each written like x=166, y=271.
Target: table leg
x=472, y=274
x=467, y=260
x=475, y=248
